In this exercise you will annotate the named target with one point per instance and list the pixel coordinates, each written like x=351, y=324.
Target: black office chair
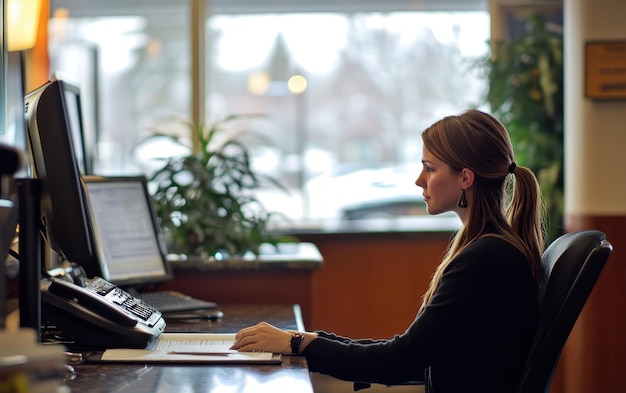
x=570, y=267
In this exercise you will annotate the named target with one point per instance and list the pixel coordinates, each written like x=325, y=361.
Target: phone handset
x=88, y=300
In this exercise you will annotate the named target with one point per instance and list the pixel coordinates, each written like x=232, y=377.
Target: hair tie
x=512, y=167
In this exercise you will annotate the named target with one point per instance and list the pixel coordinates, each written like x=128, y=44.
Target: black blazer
x=472, y=337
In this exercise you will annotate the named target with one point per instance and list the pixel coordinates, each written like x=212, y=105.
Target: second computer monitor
x=129, y=244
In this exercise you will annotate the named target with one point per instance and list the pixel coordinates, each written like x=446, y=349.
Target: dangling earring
x=462, y=200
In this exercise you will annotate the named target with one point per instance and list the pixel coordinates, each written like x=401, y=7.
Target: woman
x=476, y=321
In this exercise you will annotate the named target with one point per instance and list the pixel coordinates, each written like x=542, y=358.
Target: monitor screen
x=54, y=161
x=75, y=118
x=128, y=238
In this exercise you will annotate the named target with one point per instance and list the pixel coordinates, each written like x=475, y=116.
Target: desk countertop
x=291, y=376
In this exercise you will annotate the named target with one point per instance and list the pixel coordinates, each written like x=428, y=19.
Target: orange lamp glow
x=23, y=18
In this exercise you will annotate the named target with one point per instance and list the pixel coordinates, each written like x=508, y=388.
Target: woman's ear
x=467, y=178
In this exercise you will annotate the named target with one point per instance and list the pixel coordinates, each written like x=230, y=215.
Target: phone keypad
x=145, y=312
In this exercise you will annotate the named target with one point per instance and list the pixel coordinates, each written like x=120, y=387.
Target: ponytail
x=526, y=216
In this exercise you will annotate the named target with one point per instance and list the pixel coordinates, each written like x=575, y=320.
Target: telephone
x=99, y=315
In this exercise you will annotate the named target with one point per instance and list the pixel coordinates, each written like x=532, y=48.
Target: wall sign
x=605, y=70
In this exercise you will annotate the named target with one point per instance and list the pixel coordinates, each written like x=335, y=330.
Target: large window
x=345, y=92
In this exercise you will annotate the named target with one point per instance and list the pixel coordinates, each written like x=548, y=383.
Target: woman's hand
x=263, y=337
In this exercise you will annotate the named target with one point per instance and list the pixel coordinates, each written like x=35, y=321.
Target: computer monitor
x=54, y=161
x=129, y=243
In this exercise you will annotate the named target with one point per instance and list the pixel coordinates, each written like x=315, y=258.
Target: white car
x=366, y=193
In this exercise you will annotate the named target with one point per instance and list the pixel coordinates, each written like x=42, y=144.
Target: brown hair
x=513, y=204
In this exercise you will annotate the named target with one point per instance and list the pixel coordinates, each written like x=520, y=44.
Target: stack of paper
x=188, y=348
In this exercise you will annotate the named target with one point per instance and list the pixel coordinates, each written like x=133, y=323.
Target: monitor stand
x=29, y=217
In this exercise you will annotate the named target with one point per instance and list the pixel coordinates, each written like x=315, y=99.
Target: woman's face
x=441, y=185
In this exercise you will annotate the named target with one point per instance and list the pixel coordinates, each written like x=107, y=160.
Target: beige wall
x=595, y=130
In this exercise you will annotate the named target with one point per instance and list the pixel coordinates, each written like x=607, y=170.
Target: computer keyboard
x=172, y=301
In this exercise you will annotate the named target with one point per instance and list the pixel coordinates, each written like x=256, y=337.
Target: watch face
x=296, y=339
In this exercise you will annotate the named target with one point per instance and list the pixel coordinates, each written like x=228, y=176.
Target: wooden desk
x=291, y=376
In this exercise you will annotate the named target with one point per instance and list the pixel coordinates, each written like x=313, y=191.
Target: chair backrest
x=570, y=267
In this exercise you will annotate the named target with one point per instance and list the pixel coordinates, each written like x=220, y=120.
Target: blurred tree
x=391, y=85
x=525, y=77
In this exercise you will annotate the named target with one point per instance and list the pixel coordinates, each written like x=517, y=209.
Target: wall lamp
x=22, y=18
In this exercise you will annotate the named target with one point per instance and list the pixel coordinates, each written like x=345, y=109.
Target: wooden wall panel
x=247, y=287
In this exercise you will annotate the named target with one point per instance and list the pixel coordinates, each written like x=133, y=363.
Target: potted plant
x=526, y=92
x=206, y=202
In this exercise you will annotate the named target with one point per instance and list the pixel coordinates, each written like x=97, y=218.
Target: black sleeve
x=460, y=305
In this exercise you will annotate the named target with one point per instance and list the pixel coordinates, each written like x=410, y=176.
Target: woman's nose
x=419, y=182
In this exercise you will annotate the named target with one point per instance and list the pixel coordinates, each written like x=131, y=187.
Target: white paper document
x=189, y=348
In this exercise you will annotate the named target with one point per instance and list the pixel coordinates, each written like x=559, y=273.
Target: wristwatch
x=296, y=339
